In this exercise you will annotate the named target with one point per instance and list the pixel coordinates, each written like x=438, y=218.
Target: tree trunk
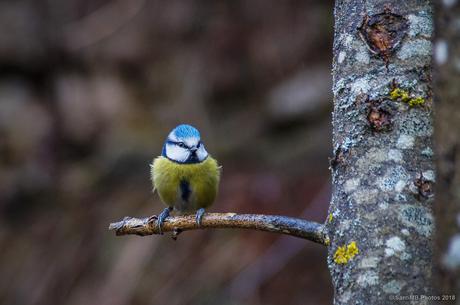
x=447, y=59
x=380, y=220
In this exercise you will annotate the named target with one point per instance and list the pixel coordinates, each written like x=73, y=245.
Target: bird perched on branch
x=185, y=175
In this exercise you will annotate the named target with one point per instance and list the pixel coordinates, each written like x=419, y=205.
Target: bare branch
x=271, y=223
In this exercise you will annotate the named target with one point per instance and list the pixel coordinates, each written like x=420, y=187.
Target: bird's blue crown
x=184, y=131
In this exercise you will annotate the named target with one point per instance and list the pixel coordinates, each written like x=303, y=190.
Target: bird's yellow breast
x=186, y=187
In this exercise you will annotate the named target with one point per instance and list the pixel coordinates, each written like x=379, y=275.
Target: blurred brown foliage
x=89, y=90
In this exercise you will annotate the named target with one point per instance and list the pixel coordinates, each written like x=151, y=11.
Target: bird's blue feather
x=186, y=131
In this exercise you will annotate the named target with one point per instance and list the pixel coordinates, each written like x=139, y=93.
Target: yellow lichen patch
x=345, y=253
x=416, y=101
x=330, y=218
x=340, y=255
x=395, y=93
x=352, y=249
x=398, y=93
x=405, y=97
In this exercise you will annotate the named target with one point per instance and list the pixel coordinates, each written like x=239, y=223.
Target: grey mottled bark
x=381, y=220
x=447, y=211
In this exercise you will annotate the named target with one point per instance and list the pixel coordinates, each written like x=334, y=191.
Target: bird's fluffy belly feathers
x=186, y=187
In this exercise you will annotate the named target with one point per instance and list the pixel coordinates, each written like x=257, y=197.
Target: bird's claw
x=161, y=219
x=199, y=216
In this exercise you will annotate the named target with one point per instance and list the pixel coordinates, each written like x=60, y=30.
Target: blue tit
x=185, y=175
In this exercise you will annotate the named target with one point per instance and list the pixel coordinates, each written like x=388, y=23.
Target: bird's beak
x=193, y=149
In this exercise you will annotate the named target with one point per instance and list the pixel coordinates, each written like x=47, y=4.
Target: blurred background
x=89, y=89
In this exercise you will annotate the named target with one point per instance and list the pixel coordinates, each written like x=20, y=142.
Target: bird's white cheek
x=176, y=153
x=201, y=153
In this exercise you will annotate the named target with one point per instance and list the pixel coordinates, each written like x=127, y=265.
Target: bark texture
x=447, y=211
x=380, y=221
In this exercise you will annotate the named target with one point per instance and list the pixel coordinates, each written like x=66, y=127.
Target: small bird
x=185, y=175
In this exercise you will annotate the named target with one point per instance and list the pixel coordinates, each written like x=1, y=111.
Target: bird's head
x=183, y=145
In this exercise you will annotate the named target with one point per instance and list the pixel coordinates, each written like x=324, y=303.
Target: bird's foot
x=161, y=219
x=199, y=216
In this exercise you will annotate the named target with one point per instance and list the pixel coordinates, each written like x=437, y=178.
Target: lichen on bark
x=376, y=199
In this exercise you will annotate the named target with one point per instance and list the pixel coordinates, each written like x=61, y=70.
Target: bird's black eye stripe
x=180, y=144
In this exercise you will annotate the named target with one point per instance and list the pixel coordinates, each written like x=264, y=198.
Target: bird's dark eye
x=198, y=145
x=181, y=144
